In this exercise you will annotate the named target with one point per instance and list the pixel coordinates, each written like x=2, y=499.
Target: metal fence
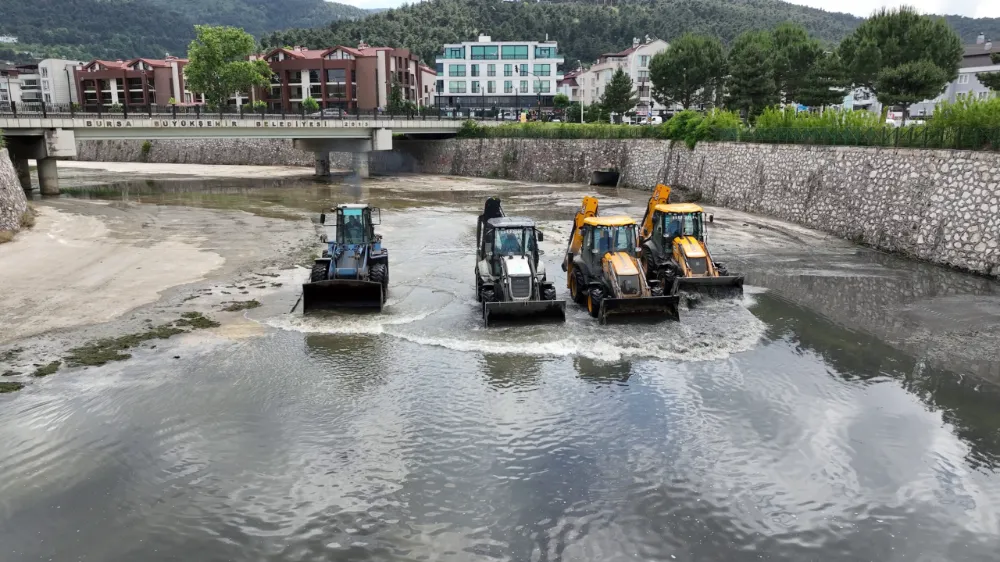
x=148, y=111
x=920, y=136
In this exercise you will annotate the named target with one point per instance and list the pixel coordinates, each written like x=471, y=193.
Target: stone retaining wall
x=251, y=152
x=13, y=203
x=937, y=205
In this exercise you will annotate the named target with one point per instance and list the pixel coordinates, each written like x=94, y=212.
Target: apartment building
x=137, y=82
x=347, y=77
x=486, y=73
x=569, y=86
x=10, y=86
x=56, y=77
x=635, y=62
x=975, y=59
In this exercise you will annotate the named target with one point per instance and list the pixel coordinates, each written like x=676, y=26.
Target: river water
x=842, y=410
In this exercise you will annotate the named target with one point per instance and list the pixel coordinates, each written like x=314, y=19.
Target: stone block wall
x=936, y=205
x=250, y=152
x=13, y=203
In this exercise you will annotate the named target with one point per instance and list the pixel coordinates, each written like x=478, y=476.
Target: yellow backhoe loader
x=602, y=271
x=674, y=249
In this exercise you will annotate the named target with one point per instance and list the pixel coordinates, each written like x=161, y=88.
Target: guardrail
x=148, y=111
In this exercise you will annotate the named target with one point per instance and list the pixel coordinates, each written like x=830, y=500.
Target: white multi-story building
x=505, y=74
x=592, y=82
x=56, y=81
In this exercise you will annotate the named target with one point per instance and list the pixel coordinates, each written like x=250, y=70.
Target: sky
x=970, y=8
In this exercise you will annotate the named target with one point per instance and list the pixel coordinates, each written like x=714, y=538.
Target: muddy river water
x=847, y=408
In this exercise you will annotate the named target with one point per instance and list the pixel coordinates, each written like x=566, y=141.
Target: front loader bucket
x=341, y=293
x=496, y=312
x=657, y=308
x=722, y=287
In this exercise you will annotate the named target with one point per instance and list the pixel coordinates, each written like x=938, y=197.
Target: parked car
x=330, y=113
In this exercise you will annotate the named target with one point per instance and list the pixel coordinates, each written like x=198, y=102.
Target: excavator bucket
x=722, y=287
x=497, y=312
x=336, y=294
x=654, y=308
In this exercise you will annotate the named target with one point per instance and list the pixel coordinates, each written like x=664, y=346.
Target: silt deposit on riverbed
x=844, y=409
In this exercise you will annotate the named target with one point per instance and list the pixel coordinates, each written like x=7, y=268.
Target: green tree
x=824, y=83
x=991, y=79
x=310, y=105
x=794, y=54
x=901, y=56
x=397, y=103
x=560, y=101
x=689, y=71
x=751, y=86
x=619, y=96
x=218, y=65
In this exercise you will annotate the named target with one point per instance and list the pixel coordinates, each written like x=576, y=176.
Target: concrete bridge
x=51, y=137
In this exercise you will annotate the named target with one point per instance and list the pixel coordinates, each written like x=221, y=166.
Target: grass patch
x=6, y=387
x=6, y=236
x=241, y=305
x=47, y=370
x=28, y=218
x=197, y=321
x=112, y=349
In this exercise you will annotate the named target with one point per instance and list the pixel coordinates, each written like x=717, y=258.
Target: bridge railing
x=150, y=111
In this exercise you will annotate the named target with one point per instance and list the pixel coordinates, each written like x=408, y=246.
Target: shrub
x=115, y=108
x=172, y=101
x=146, y=148
x=968, y=112
x=310, y=105
x=259, y=106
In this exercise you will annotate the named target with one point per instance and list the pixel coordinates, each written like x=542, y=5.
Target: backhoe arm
x=587, y=209
x=661, y=195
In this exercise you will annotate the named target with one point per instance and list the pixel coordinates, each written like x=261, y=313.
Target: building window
x=543, y=69
x=508, y=70
x=475, y=86
x=45, y=72
x=643, y=75
x=315, y=91
x=982, y=95
x=475, y=70
x=454, y=53
x=514, y=52
x=524, y=86
x=488, y=52
x=456, y=70
x=491, y=70
x=545, y=52
x=523, y=70
x=48, y=98
x=508, y=87
x=456, y=87
x=336, y=75
x=491, y=87
x=643, y=61
x=440, y=68
x=45, y=85
x=963, y=78
x=314, y=76
x=542, y=86
x=295, y=76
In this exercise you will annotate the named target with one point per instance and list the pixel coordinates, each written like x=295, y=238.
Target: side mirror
x=541, y=235
x=322, y=218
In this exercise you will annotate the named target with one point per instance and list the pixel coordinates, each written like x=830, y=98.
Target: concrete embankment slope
x=936, y=205
x=13, y=203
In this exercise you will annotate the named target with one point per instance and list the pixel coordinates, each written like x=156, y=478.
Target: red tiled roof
x=626, y=52
x=105, y=63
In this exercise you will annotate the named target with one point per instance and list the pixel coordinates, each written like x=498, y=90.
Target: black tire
x=486, y=294
x=595, y=297
x=721, y=269
x=479, y=288
x=549, y=293
x=581, y=292
x=656, y=290
x=379, y=273
x=319, y=271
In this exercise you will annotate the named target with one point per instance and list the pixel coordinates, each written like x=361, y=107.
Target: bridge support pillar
x=359, y=164
x=23, y=172
x=322, y=164
x=48, y=176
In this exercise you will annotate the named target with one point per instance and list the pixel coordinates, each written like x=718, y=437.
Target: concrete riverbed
x=844, y=409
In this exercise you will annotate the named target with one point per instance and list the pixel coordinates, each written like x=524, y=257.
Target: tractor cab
x=671, y=221
x=607, y=235
x=507, y=237
x=354, y=225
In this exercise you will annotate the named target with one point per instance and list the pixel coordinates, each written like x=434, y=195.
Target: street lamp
x=517, y=70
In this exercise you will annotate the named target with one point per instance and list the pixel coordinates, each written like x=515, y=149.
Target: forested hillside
x=82, y=29
x=584, y=30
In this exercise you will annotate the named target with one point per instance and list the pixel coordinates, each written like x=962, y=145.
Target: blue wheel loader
x=354, y=269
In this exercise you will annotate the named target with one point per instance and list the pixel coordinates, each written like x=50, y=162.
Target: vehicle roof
x=352, y=206
x=511, y=222
x=619, y=220
x=678, y=208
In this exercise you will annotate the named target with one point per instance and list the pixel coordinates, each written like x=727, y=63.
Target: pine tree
x=991, y=79
x=751, y=86
x=689, y=71
x=824, y=83
x=619, y=96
